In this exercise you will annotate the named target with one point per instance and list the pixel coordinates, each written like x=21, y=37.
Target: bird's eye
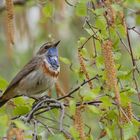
x=46, y=47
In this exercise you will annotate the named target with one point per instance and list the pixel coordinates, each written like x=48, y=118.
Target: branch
x=74, y=90
x=69, y=3
x=35, y=130
x=125, y=46
x=46, y=126
x=130, y=48
x=133, y=29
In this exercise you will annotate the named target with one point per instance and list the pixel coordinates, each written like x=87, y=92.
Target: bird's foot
x=37, y=100
x=24, y=119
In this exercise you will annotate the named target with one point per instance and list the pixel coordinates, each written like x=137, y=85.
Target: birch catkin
x=60, y=91
x=15, y=133
x=83, y=67
x=110, y=69
x=79, y=124
x=110, y=16
x=9, y=20
x=122, y=20
x=127, y=114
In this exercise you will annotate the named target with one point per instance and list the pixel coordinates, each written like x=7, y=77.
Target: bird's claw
x=25, y=119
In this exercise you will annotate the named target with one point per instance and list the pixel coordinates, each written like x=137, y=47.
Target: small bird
x=37, y=76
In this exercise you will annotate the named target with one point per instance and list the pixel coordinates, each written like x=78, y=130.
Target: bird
x=37, y=76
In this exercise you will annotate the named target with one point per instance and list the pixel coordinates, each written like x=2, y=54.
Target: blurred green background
x=39, y=21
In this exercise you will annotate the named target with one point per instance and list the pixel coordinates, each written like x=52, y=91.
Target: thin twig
x=69, y=3
x=46, y=126
x=130, y=48
x=33, y=110
x=73, y=91
x=88, y=40
x=35, y=130
x=125, y=46
x=93, y=37
x=52, y=120
x=133, y=62
x=61, y=116
x=123, y=112
x=133, y=29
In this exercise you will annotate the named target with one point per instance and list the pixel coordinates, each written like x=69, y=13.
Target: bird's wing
x=29, y=67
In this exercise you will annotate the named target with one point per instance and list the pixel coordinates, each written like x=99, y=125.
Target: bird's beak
x=56, y=44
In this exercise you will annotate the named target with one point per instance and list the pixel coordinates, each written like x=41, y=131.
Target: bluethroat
x=37, y=76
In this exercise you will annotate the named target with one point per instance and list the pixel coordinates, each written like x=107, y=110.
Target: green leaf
x=81, y=41
x=3, y=125
x=96, y=90
x=81, y=9
x=100, y=62
x=100, y=23
x=21, y=110
x=121, y=30
x=114, y=37
x=84, y=51
x=129, y=131
x=74, y=133
x=122, y=74
x=117, y=7
x=48, y=10
x=117, y=56
x=3, y=84
x=124, y=98
x=112, y=115
x=90, y=137
x=99, y=11
x=89, y=31
x=137, y=19
x=20, y=124
x=2, y=110
x=72, y=105
x=88, y=96
x=111, y=132
x=106, y=101
x=132, y=91
x=24, y=101
x=93, y=109
x=56, y=136
x=20, y=100
x=64, y=60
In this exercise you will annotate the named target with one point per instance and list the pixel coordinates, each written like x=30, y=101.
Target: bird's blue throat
x=52, y=57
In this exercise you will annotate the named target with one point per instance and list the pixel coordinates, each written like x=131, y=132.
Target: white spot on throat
x=49, y=65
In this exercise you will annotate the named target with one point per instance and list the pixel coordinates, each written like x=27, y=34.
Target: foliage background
x=38, y=21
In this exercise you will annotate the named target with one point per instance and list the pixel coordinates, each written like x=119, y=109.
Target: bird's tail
x=2, y=102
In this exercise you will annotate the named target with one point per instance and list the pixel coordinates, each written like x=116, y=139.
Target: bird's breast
x=46, y=68
x=36, y=83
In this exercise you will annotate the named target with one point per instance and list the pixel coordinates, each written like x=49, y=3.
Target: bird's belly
x=36, y=83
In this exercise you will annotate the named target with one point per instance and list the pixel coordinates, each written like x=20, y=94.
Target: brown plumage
x=36, y=77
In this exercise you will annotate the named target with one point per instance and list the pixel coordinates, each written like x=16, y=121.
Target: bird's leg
x=45, y=97
x=44, y=103
x=37, y=100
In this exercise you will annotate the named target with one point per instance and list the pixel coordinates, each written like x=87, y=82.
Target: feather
x=28, y=68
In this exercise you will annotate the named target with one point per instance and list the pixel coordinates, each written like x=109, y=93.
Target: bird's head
x=50, y=51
